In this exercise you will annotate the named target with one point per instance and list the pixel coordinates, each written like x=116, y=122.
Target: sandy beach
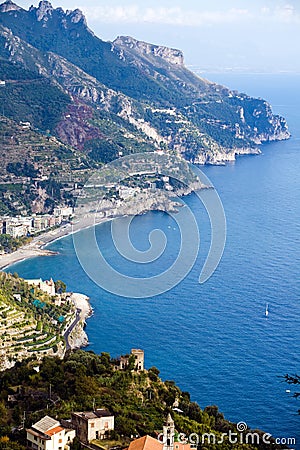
x=36, y=246
x=85, y=220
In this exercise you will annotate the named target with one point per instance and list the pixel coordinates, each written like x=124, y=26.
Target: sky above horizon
x=242, y=35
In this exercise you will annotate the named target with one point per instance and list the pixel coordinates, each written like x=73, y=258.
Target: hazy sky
x=247, y=35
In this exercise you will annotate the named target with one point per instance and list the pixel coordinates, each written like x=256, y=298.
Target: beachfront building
x=49, y=434
x=47, y=286
x=44, y=222
x=63, y=212
x=16, y=226
x=93, y=425
x=22, y=226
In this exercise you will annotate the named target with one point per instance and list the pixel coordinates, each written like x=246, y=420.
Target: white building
x=64, y=213
x=93, y=425
x=49, y=434
x=17, y=226
x=17, y=297
x=127, y=192
x=47, y=286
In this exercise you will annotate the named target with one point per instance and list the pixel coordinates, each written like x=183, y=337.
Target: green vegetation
x=9, y=244
x=22, y=170
x=60, y=287
x=30, y=320
x=180, y=106
x=36, y=168
x=72, y=102
x=30, y=97
x=139, y=401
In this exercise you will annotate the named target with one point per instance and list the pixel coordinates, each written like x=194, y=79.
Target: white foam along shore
x=82, y=302
x=141, y=204
x=76, y=337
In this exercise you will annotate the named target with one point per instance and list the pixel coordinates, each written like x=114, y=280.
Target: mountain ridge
x=126, y=65
x=109, y=99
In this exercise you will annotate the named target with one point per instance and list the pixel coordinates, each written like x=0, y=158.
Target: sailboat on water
x=267, y=310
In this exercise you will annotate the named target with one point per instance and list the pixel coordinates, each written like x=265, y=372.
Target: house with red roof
x=49, y=434
x=166, y=440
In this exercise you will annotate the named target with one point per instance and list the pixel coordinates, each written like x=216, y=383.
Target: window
x=106, y=425
x=60, y=441
x=92, y=425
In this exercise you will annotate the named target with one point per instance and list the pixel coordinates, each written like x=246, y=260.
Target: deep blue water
x=214, y=339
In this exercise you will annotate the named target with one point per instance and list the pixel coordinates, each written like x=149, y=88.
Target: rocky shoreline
x=78, y=337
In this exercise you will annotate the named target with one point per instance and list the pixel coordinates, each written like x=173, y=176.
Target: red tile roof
x=54, y=431
x=146, y=443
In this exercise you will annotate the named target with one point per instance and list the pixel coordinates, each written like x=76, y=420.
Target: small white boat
x=267, y=310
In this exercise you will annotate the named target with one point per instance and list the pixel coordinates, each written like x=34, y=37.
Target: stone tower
x=139, y=359
x=169, y=433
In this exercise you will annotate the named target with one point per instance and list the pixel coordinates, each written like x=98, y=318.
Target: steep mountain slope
x=144, y=89
x=27, y=96
x=90, y=116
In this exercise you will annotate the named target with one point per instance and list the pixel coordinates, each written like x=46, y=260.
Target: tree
x=153, y=373
x=60, y=287
x=131, y=363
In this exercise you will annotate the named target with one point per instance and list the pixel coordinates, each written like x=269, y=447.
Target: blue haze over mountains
x=147, y=82
x=248, y=36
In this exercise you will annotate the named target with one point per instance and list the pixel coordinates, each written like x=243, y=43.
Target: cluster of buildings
x=25, y=226
x=47, y=286
x=97, y=425
x=51, y=434
x=90, y=427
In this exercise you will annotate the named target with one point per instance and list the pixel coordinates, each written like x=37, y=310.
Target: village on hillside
x=93, y=429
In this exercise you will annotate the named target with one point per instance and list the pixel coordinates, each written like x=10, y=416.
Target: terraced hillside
x=31, y=322
x=36, y=170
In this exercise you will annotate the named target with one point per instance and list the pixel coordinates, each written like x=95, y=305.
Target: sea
x=214, y=339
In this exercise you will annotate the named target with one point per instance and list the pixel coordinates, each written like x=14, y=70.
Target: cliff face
x=9, y=6
x=130, y=96
x=149, y=51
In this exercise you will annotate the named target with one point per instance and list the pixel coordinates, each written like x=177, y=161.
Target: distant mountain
x=106, y=99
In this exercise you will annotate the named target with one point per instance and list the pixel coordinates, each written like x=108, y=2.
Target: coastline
x=36, y=247
x=75, y=336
